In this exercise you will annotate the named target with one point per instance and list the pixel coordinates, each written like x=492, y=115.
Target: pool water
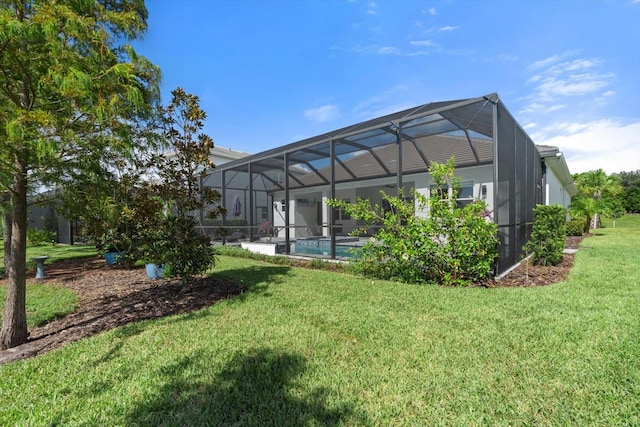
x=341, y=251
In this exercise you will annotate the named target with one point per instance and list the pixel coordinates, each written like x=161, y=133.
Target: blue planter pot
x=112, y=257
x=155, y=271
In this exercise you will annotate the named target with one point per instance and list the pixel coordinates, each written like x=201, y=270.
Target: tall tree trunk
x=6, y=237
x=14, y=322
x=587, y=225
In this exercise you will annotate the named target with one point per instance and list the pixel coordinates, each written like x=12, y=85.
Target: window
x=340, y=214
x=262, y=213
x=465, y=193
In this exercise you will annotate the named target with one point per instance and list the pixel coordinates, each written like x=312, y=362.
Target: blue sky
x=273, y=72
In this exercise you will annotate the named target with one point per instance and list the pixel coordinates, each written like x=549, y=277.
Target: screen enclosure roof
x=430, y=132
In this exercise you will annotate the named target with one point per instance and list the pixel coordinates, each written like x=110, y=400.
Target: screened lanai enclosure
x=278, y=196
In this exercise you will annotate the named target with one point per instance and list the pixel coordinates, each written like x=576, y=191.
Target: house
x=283, y=190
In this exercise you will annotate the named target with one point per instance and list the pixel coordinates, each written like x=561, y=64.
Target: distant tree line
x=630, y=182
x=605, y=195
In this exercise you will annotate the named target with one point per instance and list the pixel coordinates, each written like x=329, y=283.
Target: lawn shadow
x=257, y=387
x=255, y=279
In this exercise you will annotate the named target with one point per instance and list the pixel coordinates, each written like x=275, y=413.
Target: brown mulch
x=529, y=274
x=111, y=297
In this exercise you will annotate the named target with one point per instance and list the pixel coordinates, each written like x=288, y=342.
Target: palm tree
x=594, y=188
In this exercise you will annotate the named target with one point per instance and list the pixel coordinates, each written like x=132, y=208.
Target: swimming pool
x=341, y=251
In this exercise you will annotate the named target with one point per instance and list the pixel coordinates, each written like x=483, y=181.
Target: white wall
x=477, y=176
x=555, y=192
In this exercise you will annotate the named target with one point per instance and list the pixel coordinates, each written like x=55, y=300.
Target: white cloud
x=432, y=11
x=602, y=144
x=323, y=114
x=379, y=50
x=422, y=43
x=448, y=28
x=376, y=50
x=556, y=107
x=387, y=50
x=384, y=103
x=574, y=84
x=544, y=62
x=373, y=8
x=604, y=97
x=558, y=77
x=575, y=65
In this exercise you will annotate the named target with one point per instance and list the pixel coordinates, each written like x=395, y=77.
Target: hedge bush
x=548, y=235
x=575, y=227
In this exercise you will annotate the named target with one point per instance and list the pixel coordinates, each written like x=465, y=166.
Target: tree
x=179, y=184
x=70, y=89
x=595, y=191
x=5, y=210
x=631, y=184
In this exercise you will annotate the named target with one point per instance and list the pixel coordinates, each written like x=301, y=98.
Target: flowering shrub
x=452, y=246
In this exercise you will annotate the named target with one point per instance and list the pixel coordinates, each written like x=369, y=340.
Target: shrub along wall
x=548, y=234
x=575, y=227
x=454, y=245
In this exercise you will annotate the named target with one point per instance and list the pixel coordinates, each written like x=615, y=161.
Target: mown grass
x=46, y=302
x=305, y=347
x=54, y=252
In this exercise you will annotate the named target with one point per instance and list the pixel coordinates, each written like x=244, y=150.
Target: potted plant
x=110, y=247
x=155, y=250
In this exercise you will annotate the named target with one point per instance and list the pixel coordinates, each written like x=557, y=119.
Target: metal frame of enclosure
x=477, y=131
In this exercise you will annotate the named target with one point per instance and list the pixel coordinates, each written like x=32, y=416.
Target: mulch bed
x=111, y=297
x=528, y=274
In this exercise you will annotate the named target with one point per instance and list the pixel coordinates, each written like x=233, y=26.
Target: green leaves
x=71, y=96
x=548, y=234
x=452, y=246
x=598, y=193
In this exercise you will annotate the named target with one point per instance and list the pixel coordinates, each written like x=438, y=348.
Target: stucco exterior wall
x=311, y=220
x=555, y=192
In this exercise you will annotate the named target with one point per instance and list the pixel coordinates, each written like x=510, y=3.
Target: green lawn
x=54, y=252
x=46, y=302
x=307, y=347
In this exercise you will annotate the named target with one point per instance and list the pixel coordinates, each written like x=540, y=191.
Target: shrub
x=189, y=253
x=37, y=237
x=548, y=235
x=575, y=227
x=452, y=246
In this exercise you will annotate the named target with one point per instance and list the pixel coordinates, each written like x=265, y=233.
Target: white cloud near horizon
x=601, y=144
x=323, y=114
